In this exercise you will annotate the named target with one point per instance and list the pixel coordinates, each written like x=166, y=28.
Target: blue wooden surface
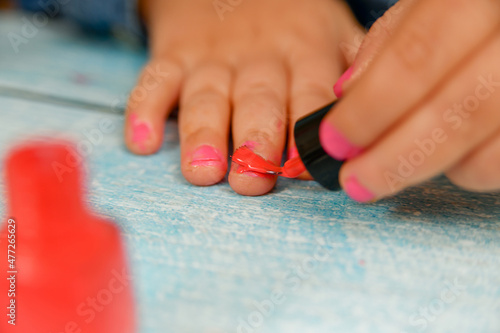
x=74, y=66
x=203, y=257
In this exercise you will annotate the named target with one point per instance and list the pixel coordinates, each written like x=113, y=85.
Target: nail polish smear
x=293, y=152
x=251, y=162
x=207, y=156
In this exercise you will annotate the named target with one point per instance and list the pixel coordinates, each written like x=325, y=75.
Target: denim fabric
x=368, y=11
x=119, y=17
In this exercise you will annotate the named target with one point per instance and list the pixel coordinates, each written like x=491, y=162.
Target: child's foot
x=255, y=68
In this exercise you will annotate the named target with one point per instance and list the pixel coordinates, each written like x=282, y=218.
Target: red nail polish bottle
x=67, y=272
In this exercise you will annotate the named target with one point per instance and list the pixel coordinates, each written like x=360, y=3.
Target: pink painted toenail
x=207, y=156
x=141, y=132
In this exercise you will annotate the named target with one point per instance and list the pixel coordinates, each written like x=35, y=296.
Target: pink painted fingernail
x=335, y=144
x=337, y=88
x=207, y=156
x=356, y=191
x=141, y=131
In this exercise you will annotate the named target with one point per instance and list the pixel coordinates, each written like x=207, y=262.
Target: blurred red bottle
x=67, y=272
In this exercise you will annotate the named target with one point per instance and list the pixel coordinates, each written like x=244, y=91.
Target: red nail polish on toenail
x=292, y=153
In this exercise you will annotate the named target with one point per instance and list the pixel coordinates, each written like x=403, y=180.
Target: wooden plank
x=204, y=257
x=58, y=60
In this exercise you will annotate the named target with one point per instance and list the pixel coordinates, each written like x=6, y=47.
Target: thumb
x=380, y=32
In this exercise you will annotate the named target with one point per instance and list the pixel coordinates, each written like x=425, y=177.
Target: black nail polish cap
x=322, y=167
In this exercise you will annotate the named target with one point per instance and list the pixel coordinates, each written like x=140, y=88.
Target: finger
x=259, y=120
x=434, y=138
x=204, y=124
x=374, y=41
x=480, y=170
x=352, y=33
x=313, y=70
x=310, y=89
x=427, y=47
x=149, y=104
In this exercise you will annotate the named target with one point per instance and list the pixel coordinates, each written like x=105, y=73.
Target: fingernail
x=335, y=144
x=356, y=191
x=141, y=131
x=337, y=88
x=207, y=156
